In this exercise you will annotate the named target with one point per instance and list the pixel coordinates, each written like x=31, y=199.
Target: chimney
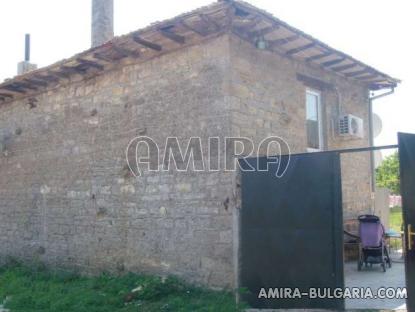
x=26, y=66
x=102, y=21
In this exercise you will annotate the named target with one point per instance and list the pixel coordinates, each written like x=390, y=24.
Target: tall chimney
x=27, y=48
x=102, y=21
x=26, y=66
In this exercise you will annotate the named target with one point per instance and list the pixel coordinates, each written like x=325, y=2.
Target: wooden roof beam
x=333, y=62
x=197, y=31
x=125, y=52
x=90, y=64
x=147, y=44
x=319, y=56
x=36, y=82
x=377, y=81
x=68, y=70
x=49, y=78
x=368, y=77
x=208, y=20
x=168, y=33
x=24, y=85
x=14, y=88
x=252, y=23
x=264, y=31
x=357, y=73
x=102, y=57
x=283, y=41
x=344, y=67
x=300, y=49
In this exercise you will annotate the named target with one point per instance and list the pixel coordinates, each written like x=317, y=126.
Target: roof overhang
x=240, y=18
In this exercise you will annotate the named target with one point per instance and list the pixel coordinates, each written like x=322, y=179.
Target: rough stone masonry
x=67, y=197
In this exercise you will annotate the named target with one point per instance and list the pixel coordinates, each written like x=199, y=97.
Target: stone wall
x=69, y=200
x=67, y=197
x=268, y=99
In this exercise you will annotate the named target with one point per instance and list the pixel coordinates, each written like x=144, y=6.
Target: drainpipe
x=371, y=138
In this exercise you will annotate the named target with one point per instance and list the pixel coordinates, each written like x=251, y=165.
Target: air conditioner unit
x=351, y=126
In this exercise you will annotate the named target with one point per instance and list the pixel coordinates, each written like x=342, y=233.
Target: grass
x=396, y=223
x=395, y=219
x=27, y=289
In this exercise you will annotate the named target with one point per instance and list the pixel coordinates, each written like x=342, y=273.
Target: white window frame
x=319, y=117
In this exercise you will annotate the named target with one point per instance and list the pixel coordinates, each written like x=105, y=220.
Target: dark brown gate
x=291, y=227
x=291, y=231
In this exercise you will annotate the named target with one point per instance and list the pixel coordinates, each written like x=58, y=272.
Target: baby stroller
x=372, y=247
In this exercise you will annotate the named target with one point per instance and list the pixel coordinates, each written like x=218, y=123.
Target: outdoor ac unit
x=351, y=126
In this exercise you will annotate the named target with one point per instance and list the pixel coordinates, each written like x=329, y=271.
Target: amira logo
x=216, y=154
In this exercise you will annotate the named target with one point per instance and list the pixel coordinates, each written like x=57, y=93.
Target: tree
x=387, y=174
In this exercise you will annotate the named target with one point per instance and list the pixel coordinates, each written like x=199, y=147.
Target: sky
x=377, y=32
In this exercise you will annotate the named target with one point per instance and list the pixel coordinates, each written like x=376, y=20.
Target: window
x=313, y=120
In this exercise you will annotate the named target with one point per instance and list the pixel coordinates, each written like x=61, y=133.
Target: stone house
x=229, y=69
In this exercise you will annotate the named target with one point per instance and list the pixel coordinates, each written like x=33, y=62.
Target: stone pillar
x=382, y=209
x=102, y=21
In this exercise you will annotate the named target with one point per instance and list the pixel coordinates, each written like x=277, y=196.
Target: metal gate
x=292, y=233
x=292, y=228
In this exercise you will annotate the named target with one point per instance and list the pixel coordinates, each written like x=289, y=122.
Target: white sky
x=377, y=32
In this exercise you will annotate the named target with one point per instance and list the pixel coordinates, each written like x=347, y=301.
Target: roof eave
x=238, y=17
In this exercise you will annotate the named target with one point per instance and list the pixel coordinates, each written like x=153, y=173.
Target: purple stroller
x=372, y=249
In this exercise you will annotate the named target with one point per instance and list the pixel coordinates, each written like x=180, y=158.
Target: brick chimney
x=102, y=21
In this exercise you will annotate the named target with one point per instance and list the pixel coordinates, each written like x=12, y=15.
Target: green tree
x=387, y=174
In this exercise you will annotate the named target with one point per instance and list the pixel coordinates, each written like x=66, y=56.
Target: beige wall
x=66, y=197
x=268, y=99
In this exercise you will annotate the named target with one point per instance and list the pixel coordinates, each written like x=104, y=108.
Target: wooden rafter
x=208, y=20
x=36, y=82
x=14, y=88
x=368, y=77
x=68, y=70
x=90, y=64
x=319, y=56
x=283, y=41
x=60, y=74
x=102, y=57
x=197, y=31
x=333, y=62
x=122, y=52
x=147, y=44
x=378, y=81
x=24, y=85
x=168, y=33
x=250, y=24
x=344, y=67
x=49, y=77
x=300, y=49
x=356, y=73
x=264, y=31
